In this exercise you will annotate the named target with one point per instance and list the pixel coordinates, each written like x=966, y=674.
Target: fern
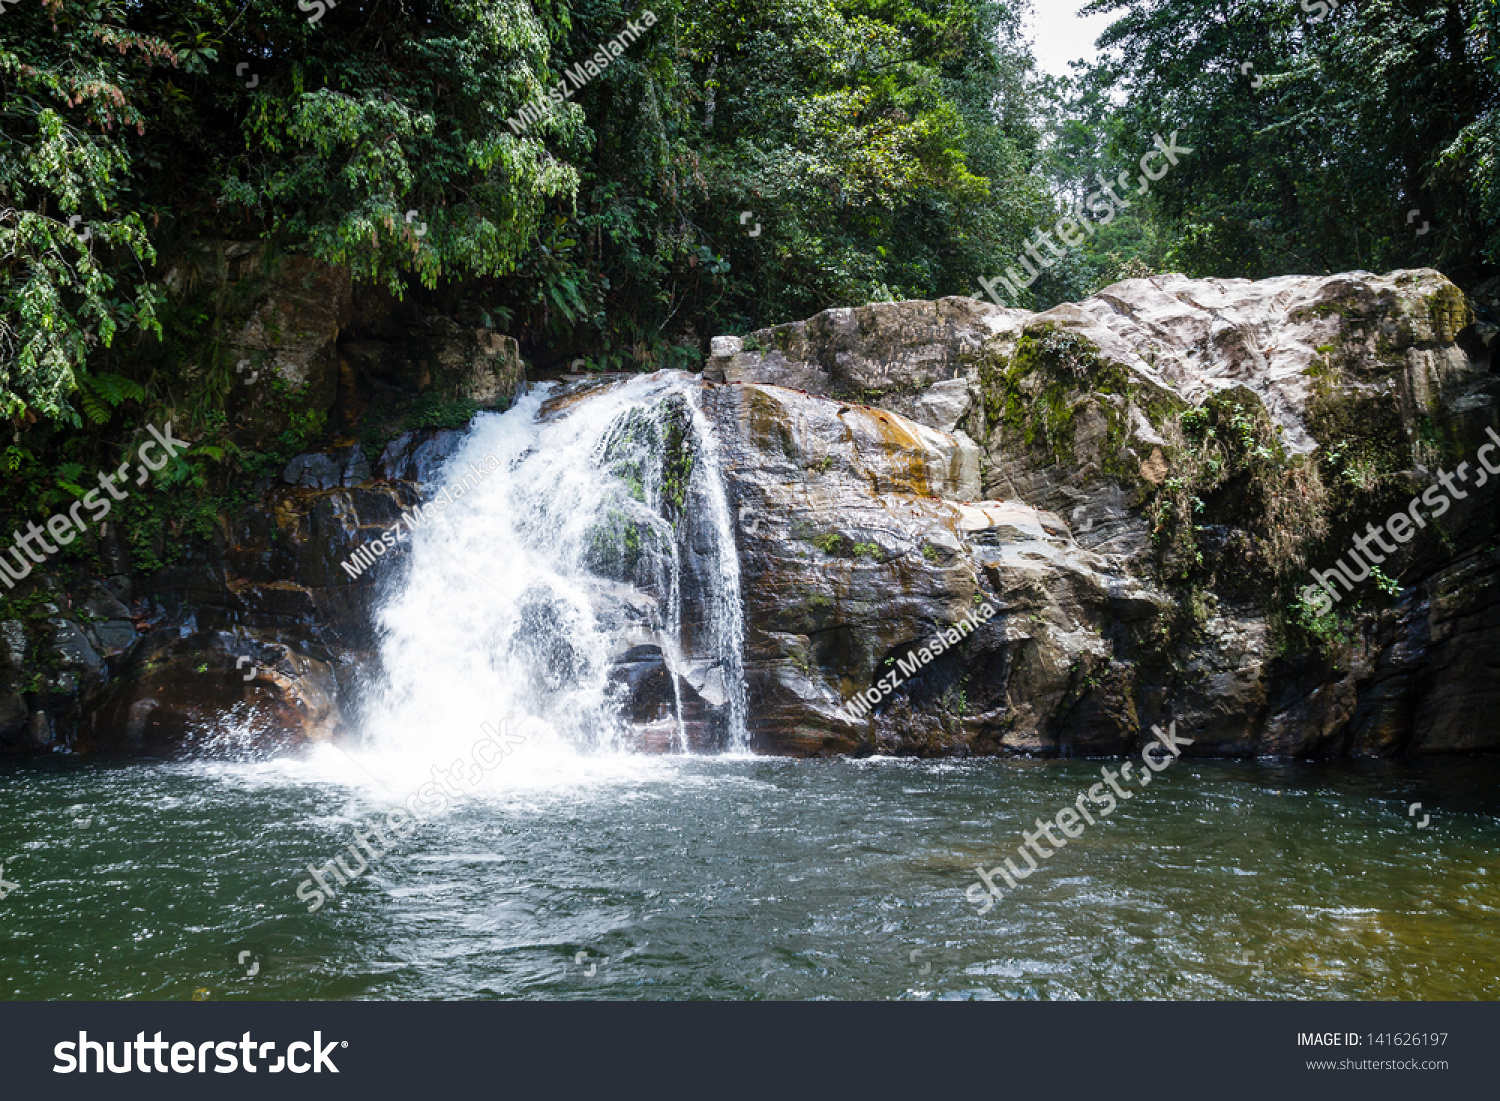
x=69, y=475
x=101, y=394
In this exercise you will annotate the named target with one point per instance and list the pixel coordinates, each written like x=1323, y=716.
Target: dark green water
x=741, y=878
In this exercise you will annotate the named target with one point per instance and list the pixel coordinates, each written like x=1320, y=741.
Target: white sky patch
x=1060, y=36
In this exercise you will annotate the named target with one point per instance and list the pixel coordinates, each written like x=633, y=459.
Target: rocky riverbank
x=1138, y=485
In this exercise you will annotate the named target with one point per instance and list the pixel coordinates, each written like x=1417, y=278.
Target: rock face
x=1163, y=465
x=302, y=342
x=309, y=355
x=856, y=551
x=54, y=656
x=474, y=365
x=1012, y=533
x=892, y=355
x=292, y=331
x=212, y=693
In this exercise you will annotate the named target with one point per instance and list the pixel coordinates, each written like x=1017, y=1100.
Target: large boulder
x=419, y=456
x=432, y=355
x=286, y=568
x=891, y=354
x=859, y=545
x=1186, y=451
x=292, y=331
x=280, y=593
x=212, y=693
x=276, y=321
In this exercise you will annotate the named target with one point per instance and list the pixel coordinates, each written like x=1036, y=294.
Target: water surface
x=741, y=878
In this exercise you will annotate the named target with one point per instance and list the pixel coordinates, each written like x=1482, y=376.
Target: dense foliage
x=1330, y=136
x=883, y=146
x=131, y=127
x=738, y=163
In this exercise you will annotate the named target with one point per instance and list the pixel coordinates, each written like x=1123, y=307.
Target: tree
x=885, y=150
x=128, y=124
x=1327, y=137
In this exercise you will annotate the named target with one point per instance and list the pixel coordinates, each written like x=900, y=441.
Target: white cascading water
x=724, y=612
x=518, y=600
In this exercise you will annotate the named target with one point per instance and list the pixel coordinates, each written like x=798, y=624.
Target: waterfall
x=582, y=580
x=725, y=612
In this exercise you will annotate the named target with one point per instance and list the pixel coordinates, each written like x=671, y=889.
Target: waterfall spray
x=589, y=584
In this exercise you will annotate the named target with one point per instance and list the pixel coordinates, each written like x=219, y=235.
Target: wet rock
x=488, y=372
x=1423, y=678
x=103, y=604
x=212, y=693
x=433, y=355
x=278, y=318
x=316, y=471
x=15, y=718
x=13, y=644
x=292, y=333
x=886, y=354
x=328, y=469
x=944, y=405
x=419, y=456
x=852, y=554
x=73, y=646
x=113, y=635
x=356, y=467
x=39, y=731
x=114, y=551
x=641, y=672
x=856, y=550
x=281, y=574
x=109, y=625
x=375, y=359
x=654, y=693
